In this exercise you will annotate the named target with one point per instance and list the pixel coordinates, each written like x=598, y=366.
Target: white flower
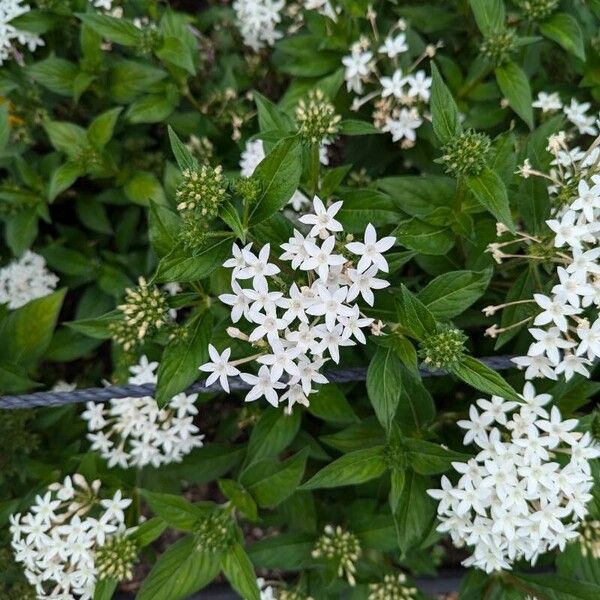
x=548, y=102
x=257, y=21
x=371, y=250
x=404, y=125
x=548, y=342
x=394, y=45
x=320, y=258
x=588, y=200
x=419, y=85
x=567, y=232
x=263, y=384
x=257, y=267
x=252, y=155
x=323, y=218
x=513, y=501
x=357, y=68
x=25, y=279
x=331, y=306
x=219, y=368
x=577, y=114
x=394, y=85
x=363, y=283
x=10, y=35
x=555, y=310
x=590, y=339
x=135, y=432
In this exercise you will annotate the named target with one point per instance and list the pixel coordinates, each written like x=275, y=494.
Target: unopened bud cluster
x=316, y=117
x=145, y=310
x=466, y=154
x=589, y=539
x=538, y=10
x=340, y=548
x=149, y=40
x=214, y=532
x=498, y=47
x=199, y=198
x=393, y=587
x=115, y=560
x=443, y=349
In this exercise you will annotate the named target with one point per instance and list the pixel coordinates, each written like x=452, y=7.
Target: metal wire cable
x=102, y=394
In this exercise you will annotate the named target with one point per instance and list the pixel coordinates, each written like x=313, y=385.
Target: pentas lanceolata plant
x=135, y=432
x=296, y=331
x=71, y=538
x=379, y=71
x=526, y=490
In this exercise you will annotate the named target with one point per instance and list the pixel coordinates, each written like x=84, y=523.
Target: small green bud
x=538, y=10
x=498, y=47
x=341, y=549
x=392, y=588
x=316, y=117
x=248, y=188
x=589, y=539
x=214, y=532
x=443, y=349
x=115, y=560
x=201, y=191
x=123, y=334
x=149, y=40
x=466, y=154
x=194, y=231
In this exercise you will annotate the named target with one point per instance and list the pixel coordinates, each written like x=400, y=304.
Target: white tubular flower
x=299, y=322
x=135, y=432
x=60, y=541
x=394, y=45
x=257, y=21
x=513, y=501
x=25, y=279
x=371, y=251
x=10, y=35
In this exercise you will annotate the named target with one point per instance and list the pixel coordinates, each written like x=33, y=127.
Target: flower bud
x=443, y=349
x=466, y=154
x=316, y=117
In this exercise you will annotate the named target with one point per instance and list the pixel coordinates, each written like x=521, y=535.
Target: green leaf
x=366, y=434
x=482, y=378
x=413, y=315
x=415, y=513
x=164, y=225
x=490, y=191
x=384, y=385
x=21, y=230
x=240, y=498
x=452, y=293
x=350, y=469
x=554, y=587
x=97, y=327
x=207, y=463
x=4, y=126
x=424, y=237
x=105, y=589
x=273, y=433
x=102, y=127
x=185, y=159
x=129, y=78
x=270, y=118
x=271, y=482
x=428, y=458
x=240, y=573
x=116, y=30
x=279, y=176
x=153, y=108
x=56, y=74
x=181, y=266
x=288, y=551
x=181, y=358
x=175, y=510
x=14, y=380
x=356, y=127
x=489, y=15
x=63, y=178
x=66, y=137
x=565, y=31
x=147, y=532
x=416, y=408
x=329, y=403
x=143, y=188
x=175, y=51
x=182, y=570
x=230, y=215
x=444, y=112
x=514, y=84
x=29, y=328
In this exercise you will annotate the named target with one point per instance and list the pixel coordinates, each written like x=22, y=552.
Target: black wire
x=102, y=394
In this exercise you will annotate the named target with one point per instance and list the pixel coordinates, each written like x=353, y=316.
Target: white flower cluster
x=257, y=21
x=135, y=432
x=9, y=10
x=576, y=113
x=25, y=279
x=294, y=332
x=526, y=490
x=253, y=154
x=567, y=329
x=401, y=96
x=56, y=541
